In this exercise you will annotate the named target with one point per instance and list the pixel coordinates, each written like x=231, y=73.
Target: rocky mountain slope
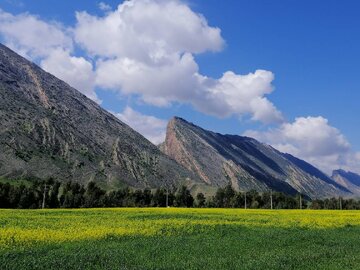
x=349, y=180
x=49, y=129
x=244, y=162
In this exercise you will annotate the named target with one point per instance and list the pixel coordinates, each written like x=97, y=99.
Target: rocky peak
x=351, y=177
x=243, y=162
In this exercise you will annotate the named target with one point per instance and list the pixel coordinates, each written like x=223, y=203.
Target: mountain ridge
x=243, y=162
x=49, y=129
x=348, y=179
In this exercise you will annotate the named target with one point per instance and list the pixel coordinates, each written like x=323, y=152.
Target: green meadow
x=175, y=238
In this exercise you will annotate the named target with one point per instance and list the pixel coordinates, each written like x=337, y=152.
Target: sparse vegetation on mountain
x=50, y=130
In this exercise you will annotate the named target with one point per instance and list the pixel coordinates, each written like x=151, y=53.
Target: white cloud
x=31, y=36
x=242, y=94
x=76, y=71
x=158, y=85
x=104, y=7
x=146, y=48
x=147, y=30
x=314, y=140
x=154, y=129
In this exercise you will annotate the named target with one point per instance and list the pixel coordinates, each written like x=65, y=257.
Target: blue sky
x=311, y=48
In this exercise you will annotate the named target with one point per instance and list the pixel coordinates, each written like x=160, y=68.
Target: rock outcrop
x=350, y=180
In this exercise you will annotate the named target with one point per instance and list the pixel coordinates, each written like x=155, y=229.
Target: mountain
x=244, y=162
x=49, y=129
x=349, y=180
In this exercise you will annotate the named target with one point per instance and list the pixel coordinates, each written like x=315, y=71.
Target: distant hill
x=244, y=162
x=49, y=129
x=349, y=180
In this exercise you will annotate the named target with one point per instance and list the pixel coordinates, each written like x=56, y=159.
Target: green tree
x=4, y=195
x=159, y=198
x=147, y=197
x=183, y=198
x=93, y=196
x=219, y=198
x=200, y=200
x=53, y=201
x=229, y=195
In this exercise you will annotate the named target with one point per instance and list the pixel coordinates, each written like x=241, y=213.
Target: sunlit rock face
x=350, y=180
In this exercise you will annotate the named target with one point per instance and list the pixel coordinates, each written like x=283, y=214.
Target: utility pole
x=300, y=200
x=340, y=203
x=245, y=200
x=167, y=197
x=271, y=199
x=44, y=197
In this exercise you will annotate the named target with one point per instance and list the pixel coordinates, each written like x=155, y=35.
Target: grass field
x=179, y=239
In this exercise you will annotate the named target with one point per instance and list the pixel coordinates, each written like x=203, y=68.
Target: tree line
x=53, y=194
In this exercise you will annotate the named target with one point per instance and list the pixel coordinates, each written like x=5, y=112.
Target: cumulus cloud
x=31, y=36
x=146, y=48
x=159, y=85
x=154, y=129
x=147, y=31
x=314, y=140
x=104, y=7
x=242, y=94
